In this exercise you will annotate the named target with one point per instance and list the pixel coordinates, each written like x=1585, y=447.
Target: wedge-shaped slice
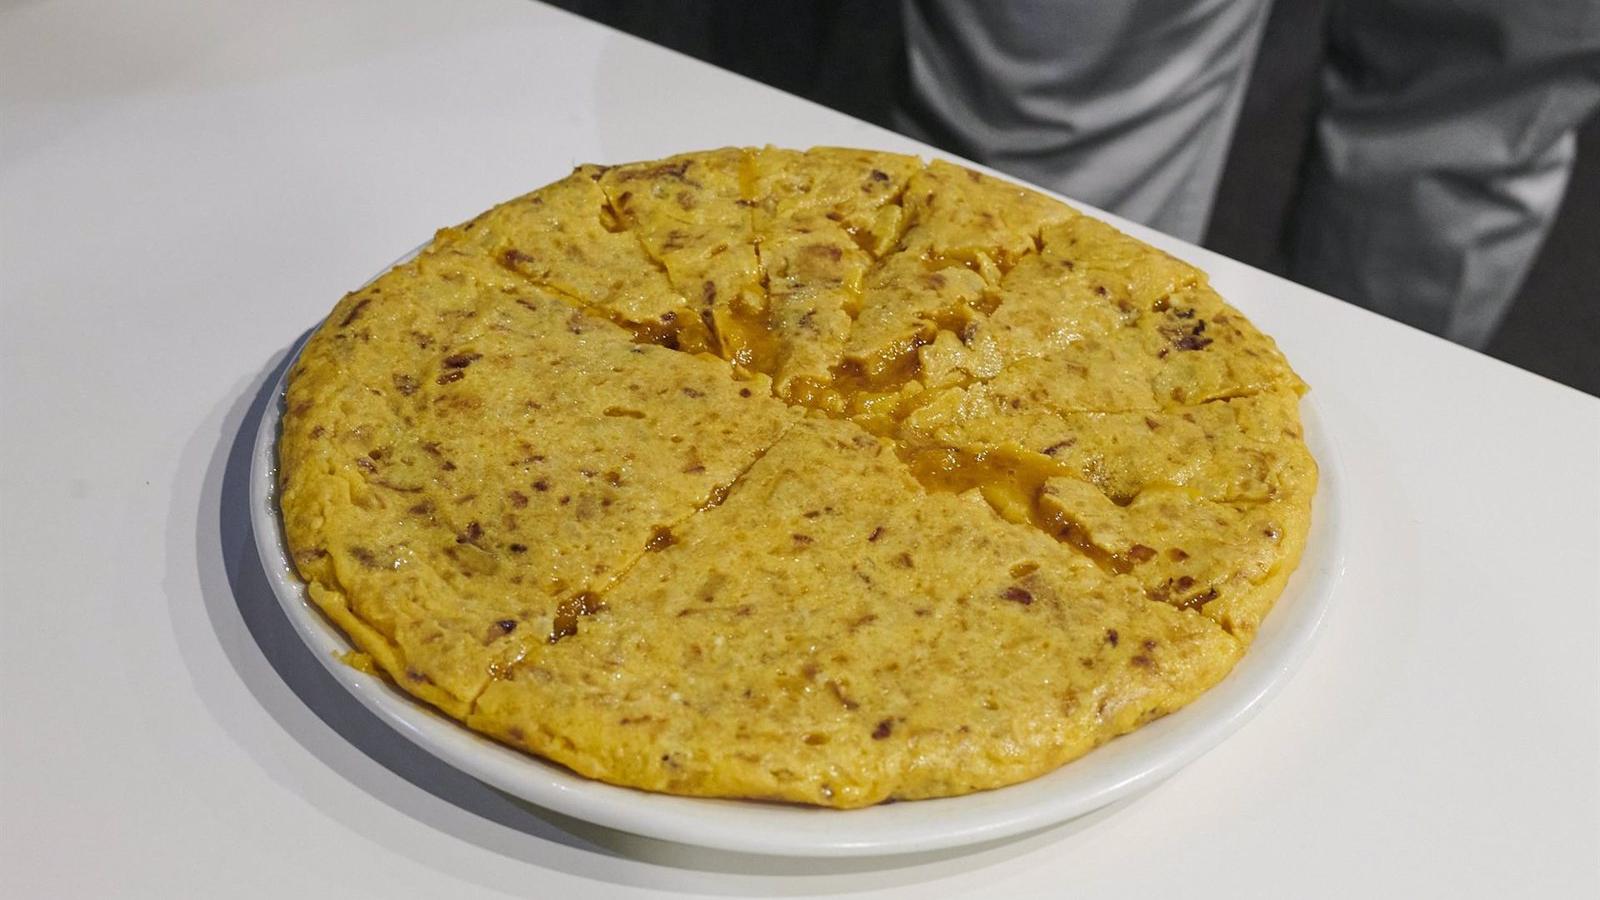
x=566, y=239
x=1098, y=320
x=464, y=452
x=1173, y=332
x=1126, y=371
x=1227, y=560
x=693, y=213
x=1108, y=277
x=857, y=190
x=906, y=302
x=1203, y=504
x=976, y=220
x=1045, y=307
x=1250, y=449
x=924, y=307
x=832, y=634
x=821, y=218
x=1032, y=314
x=905, y=307
x=814, y=282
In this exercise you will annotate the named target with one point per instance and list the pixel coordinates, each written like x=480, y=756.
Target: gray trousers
x=1442, y=149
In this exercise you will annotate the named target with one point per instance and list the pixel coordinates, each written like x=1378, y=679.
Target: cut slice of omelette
x=1226, y=560
x=826, y=476
x=832, y=634
x=566, y=239
x=859, y=191
x=822, y=219
x=1205, y=506
x=692, y=213
x=1248, y=449
x=982, y=222
x=463, y=452
x=1098, y=321
x=964, y=231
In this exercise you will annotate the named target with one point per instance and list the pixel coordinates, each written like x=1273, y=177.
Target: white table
x=187, y=187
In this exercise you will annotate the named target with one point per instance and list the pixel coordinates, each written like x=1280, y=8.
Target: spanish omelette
x=828, y=477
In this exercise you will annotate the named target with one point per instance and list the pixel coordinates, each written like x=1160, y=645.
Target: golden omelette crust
x=828, y=477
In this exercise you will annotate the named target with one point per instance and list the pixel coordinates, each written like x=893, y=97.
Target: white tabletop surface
x=186, y=188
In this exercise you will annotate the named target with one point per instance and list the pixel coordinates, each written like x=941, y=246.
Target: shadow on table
x=246, y=617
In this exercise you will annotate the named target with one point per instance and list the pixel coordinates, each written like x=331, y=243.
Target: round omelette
x=830, y=477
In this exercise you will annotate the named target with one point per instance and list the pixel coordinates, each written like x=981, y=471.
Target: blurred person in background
x=1442, y=148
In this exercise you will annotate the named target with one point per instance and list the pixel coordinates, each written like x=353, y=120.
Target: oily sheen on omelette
x=829, y=477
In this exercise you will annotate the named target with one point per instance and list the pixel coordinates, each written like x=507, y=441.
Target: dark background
x=848, y=55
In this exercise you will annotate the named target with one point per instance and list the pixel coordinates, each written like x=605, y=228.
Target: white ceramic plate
x=1124, y=766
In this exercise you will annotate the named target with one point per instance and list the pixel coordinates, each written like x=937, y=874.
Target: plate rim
x=1115, y=770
